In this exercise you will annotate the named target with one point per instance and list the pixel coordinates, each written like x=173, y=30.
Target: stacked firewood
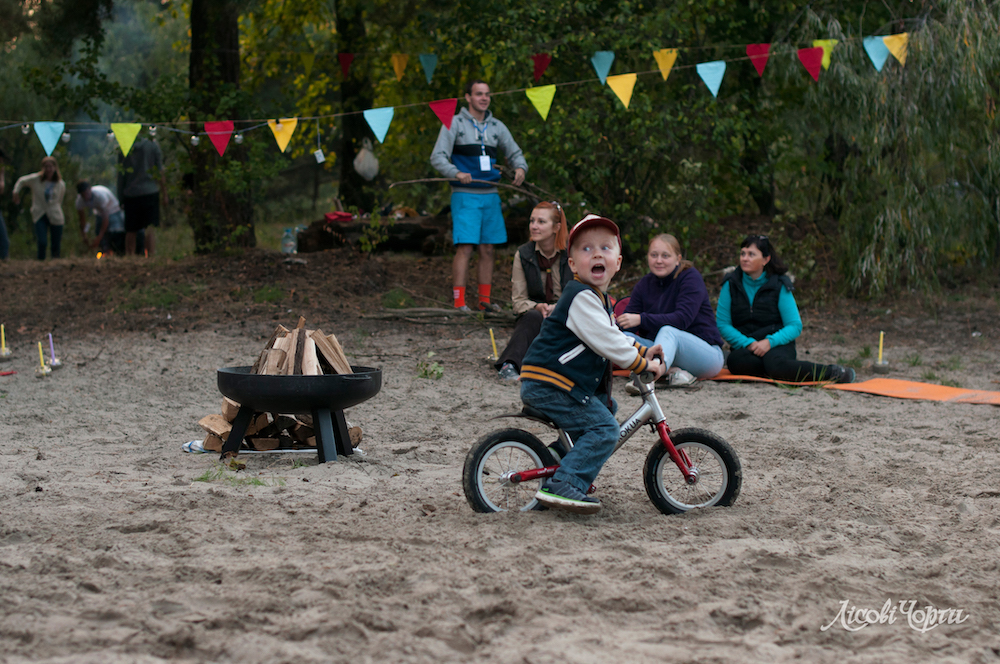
x=288, y=352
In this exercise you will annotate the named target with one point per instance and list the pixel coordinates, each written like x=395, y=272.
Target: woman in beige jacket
x=47, y=191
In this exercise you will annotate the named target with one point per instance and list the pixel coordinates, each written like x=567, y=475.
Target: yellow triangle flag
x=827, y=45
x=897, y=45
x=541, y=99
x=623, y=84
x=399, y=64
x=283, y=130
x=308, y=60
x=665, y=59
x=125, y=133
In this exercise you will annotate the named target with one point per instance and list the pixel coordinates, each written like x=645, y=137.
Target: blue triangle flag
x=602, y=64
x=877, y=51
x=379, y=120
x=712, y=73
x=430, y=63
x=49, y=132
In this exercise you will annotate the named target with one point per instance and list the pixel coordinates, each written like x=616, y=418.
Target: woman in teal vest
x=758, y=316
x=540, y=272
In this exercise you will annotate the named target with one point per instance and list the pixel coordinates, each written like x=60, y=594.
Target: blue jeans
x=42, y=229
x=591, y=426
x=686, y=351
x=4, y=240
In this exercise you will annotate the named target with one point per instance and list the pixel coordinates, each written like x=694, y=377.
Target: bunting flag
x=541, y=99
x=876, y=50
x=897, y=46
x=541, y=61
x=827, y=46
x=219, y=133
x=444, y=109
x=812, y=60
x=379, y=120
x=430, y=63
x=758, y=54
x=345, y=63
x=399, y=61
x=711, y=73
x=602, y=61
x=282, y=130
x=49, y=133
x=308, y=60
x=623, y=84
x=125, y=133
x=665, y=59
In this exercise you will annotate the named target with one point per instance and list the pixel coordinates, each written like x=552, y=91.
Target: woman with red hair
x=540, y=272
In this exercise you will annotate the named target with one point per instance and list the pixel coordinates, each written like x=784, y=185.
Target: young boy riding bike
x=566, y=373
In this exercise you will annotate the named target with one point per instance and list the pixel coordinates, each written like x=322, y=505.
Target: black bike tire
x=474, y=461
x=658, y=456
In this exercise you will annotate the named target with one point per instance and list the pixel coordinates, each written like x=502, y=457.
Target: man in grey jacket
x=468, y=151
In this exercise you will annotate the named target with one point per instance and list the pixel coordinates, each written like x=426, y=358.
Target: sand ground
x=112, y=549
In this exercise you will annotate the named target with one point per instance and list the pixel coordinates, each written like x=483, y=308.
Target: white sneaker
x=681, y=378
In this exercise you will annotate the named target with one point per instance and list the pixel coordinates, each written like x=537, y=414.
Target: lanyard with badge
x=484, y=159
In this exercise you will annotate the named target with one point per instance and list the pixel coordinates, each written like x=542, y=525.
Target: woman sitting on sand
x=670, y=307
x=540, y=272
x=758, y=316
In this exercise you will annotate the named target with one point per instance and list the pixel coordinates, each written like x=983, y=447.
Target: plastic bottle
x=289, y=245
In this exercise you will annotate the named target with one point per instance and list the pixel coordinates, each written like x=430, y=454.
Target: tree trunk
x=221, y=216
x=356, y=94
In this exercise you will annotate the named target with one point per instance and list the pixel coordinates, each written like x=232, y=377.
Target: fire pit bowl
x=324, y=397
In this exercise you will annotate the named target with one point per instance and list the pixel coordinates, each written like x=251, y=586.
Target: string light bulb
x=25, y=128
x=195, y=140
x=239, y=139
x=65, y=137
x=152, y=130
x=277, y=126
x=111, y=135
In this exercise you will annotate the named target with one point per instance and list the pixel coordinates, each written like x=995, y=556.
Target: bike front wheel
x=491, y=462
x=718, y=470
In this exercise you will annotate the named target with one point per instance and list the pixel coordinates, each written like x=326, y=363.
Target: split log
x=216, y=425
x=229, y=409
x=279, y=332
x=264, y=444
x=330, y=349
x=213, y=443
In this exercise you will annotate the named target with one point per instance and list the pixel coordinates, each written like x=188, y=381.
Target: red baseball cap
x=593, y=221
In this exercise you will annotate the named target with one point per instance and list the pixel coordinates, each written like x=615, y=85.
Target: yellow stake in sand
x=494, y=342
x=41, y=358
x=3, y=338
x=881, y=336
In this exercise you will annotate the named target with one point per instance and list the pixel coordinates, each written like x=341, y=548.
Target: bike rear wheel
x=491, y=462
x=718, y=469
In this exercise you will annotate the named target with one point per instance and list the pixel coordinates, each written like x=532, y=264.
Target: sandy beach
x=115, y=546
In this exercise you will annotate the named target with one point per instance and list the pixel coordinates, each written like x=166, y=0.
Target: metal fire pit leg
x=331, y=434
x=239, y=430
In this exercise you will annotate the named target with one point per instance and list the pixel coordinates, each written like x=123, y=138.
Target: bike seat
x=536, y=414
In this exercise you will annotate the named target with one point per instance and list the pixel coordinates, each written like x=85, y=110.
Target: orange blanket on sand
x=885, y=387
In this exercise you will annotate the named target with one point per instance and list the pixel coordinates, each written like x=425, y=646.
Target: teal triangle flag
x=430, y=63
x=602, y=61
x=877, y=51
x=379, y=120
x=49, y=132
x=712, y=73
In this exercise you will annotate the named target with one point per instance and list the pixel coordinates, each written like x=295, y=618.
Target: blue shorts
x=477, y=219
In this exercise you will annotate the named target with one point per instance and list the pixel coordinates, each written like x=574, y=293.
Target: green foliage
x=913, y=360
x=398, y=298
x=152, y=295
x=220, y=473
x=375, y=232
x=428, y=369
x=268, y=294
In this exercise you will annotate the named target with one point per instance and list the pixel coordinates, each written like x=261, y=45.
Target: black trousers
x=525, y=331
x=778, y=363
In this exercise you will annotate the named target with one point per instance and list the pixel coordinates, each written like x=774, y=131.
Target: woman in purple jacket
x=670, y=307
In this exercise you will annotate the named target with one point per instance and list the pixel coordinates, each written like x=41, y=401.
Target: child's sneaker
x=564, y=496
x=508, y=372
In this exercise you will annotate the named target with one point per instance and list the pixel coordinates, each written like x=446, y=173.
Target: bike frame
x=649, y=412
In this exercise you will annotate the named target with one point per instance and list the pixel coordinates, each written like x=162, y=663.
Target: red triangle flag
x=219, y=133
x=444, y=109
x=345, y=62
x=542, y=61
x=812, y=60
x=758, y=56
